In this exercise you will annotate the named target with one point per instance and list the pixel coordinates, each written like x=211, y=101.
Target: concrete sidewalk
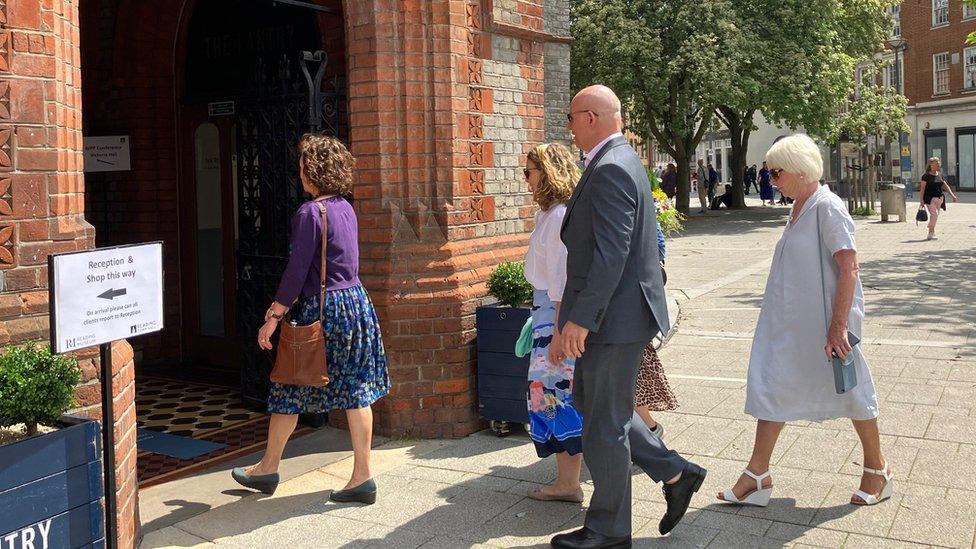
x=920, y=338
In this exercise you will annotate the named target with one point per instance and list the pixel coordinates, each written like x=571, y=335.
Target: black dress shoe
x=263, y=483
x=679, y=494
x=364, y=493
x=584, y=538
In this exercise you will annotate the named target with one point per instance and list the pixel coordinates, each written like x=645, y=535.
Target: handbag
x=845, y=369
x=301, y=357
x=523, y=345
x=922, y=215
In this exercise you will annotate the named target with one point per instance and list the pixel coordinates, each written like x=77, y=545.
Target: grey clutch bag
x=845, y=369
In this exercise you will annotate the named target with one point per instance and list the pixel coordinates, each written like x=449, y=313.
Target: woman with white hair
x=808, y=326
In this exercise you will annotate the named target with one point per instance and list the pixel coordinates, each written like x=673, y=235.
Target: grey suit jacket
x=613, y=272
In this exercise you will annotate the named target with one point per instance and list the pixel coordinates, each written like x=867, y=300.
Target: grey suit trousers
x=614, y=436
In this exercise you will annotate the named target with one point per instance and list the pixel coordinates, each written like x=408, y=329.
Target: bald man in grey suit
x=614, y=303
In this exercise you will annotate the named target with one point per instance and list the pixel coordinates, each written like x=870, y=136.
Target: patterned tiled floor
x=188, y=409
x=206, y=412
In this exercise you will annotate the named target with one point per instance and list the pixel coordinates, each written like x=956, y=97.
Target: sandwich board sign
x=106, y=294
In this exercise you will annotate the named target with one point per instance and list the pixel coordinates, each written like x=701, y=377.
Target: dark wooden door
x=208, y=239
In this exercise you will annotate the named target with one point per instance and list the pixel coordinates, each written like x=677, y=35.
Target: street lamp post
x=899, y=44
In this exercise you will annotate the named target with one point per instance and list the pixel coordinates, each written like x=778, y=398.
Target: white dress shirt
x=592, y=152
x=545, y=262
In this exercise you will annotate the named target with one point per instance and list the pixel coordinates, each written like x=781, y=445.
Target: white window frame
x=895, y=13
x=968, y=12
x=969, y=68
x=941, y=68
x=888, y=72
x=940, y=13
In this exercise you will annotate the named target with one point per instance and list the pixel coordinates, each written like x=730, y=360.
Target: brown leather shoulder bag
x=301, y=358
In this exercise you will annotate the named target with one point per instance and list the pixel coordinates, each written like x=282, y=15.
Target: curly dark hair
x=327, y=164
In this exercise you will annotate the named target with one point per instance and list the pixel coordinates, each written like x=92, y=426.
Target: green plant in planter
x=35, y=385
x=508, y=284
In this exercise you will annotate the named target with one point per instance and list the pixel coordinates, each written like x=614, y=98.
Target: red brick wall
x=923, y=42
x=42, y=201
x=441, y=201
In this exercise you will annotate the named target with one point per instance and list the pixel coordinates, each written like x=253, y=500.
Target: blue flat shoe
x=364, y=493
x=266, y=484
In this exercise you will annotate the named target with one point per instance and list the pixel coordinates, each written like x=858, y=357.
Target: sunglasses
x=776, y=173
x=526, y=171
x=569, y=116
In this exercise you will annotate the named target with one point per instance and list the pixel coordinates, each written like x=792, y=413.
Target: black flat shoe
x=678, y=496
x=364, y=493
x=584, y=538
x=266, y=484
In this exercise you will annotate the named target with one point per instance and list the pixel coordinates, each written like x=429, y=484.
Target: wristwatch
x=273, y=315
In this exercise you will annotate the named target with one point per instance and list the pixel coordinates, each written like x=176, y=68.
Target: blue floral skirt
x=354, y=348
x=554, y=423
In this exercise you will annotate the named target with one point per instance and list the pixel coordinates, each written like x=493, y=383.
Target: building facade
x=940, y=84
x=437, y=100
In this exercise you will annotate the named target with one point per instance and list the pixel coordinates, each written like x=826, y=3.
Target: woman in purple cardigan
x=356, y=359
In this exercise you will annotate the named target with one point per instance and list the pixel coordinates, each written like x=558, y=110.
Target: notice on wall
x=104, y=295
x=107, y=153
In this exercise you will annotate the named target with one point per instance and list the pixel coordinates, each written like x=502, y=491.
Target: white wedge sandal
x=886, y=492
x=758, y=497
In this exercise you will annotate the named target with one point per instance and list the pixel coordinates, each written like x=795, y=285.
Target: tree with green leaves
x=663, y=59
x=799, y=71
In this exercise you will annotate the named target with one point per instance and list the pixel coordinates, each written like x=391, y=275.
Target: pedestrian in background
x=766, y=191
x=356, y=359
x=712, y=182
x=752, y=179
x=669, y=181
x=814, y=270
x=702, y=183
x=932, y=193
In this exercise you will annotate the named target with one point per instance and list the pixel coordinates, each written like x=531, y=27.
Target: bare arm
x=843, y=300
x=556, y=354
x=946, y=186
x=921, y=193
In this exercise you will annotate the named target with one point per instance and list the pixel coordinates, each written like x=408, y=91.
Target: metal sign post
x=98, y=297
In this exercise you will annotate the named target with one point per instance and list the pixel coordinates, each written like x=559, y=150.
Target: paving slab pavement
x=920, y=338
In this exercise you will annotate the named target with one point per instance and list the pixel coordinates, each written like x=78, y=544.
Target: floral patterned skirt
x=554, y=423
x=354, y=349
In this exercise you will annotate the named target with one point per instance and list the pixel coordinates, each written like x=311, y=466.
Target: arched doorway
x=256, y=76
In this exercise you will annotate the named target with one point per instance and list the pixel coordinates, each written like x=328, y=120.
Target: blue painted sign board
x=51, y=490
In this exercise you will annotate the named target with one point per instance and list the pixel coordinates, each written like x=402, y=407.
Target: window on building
x=895, y=13
x=940, y=73
x=969, y=68
x=940, y=12
x=892, y=76
x=968, y=12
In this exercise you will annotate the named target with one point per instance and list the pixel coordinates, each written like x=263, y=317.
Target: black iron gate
x=289, y=99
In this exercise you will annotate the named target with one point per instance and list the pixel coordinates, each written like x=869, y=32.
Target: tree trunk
x=31, y=428
x=683, y=187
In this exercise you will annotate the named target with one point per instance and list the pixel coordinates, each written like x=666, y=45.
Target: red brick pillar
x=438, y=121
x=42, y=201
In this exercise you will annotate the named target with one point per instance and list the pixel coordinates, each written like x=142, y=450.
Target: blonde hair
x=559, y=174
x=928, y=166
x=327, y=164
x=797, y=154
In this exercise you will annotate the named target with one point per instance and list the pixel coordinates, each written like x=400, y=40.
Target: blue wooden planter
x=51, y=489
x=502, y=377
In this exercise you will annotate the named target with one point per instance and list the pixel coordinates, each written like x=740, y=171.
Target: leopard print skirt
x=652, y=388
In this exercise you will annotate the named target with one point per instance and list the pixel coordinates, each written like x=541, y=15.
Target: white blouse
x=545, y=262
